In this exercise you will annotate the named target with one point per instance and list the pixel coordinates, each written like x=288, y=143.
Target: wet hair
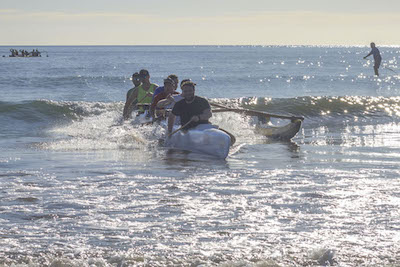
x=188, y=82
x=184, y=81
x=169, y=80
x=144, y=73
x=135, y=76
x=173, y=77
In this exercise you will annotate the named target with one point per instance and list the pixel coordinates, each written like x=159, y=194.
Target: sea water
x=80, y=187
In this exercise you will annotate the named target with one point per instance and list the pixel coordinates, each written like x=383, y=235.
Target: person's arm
x=155, y=92
x=129, y=103
x=205, y=115
x=165, y=102
x=171, y=121
x=370, y=53
x=127, y=94
x=154, y=104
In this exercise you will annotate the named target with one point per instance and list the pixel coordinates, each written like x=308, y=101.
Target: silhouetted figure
x=377, y=58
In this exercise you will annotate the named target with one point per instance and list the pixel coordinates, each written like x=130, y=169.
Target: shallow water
x=80, y=188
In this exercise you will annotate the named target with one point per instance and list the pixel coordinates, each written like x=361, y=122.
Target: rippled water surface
x=79, y=187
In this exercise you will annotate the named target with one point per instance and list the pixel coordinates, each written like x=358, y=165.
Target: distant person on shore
x=128, y=108
x=142, y=96
x=377, y=58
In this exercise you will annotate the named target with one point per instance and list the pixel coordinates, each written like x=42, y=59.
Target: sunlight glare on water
x=81, y=187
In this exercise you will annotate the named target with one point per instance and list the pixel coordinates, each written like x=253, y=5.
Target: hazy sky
x=187, y=22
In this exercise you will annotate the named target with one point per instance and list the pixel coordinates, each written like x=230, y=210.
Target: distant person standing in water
x=377, y=58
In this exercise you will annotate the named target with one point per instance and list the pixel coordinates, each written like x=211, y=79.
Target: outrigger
x=282, y=133
x=212, y=140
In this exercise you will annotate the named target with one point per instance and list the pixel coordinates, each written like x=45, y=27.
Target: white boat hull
x=204, y=138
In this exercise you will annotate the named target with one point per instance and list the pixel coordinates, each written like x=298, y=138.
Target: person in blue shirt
x=161, y=88
x=377, y=58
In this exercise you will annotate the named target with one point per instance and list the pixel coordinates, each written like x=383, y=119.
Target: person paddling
x=161, y=88
x=142, y=95
x=193, y=110
x=167, y=95
x=169, y=101
x=129, y=106
x=377, y=57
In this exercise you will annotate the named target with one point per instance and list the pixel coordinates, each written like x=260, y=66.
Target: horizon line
x=204, y=45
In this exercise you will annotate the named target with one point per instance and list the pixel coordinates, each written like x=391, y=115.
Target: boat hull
x=204, y=138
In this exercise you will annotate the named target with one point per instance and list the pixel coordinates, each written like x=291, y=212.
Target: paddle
x=385, y=67
x=180, y=128
x=253, y=112
x=390, y=69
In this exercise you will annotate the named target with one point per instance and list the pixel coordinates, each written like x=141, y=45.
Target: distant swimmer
x=377, y=58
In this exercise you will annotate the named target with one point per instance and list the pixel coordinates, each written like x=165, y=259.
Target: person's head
x=144, y=75
x=136, y=79
x=188, y=89
x=184, y=81
x=372, y=45
x=175, y=79
x=169, y=86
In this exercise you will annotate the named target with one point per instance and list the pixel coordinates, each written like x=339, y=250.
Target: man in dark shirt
x=377, y=58
x=193, y=110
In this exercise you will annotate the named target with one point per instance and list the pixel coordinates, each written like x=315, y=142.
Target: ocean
x=80, y=187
